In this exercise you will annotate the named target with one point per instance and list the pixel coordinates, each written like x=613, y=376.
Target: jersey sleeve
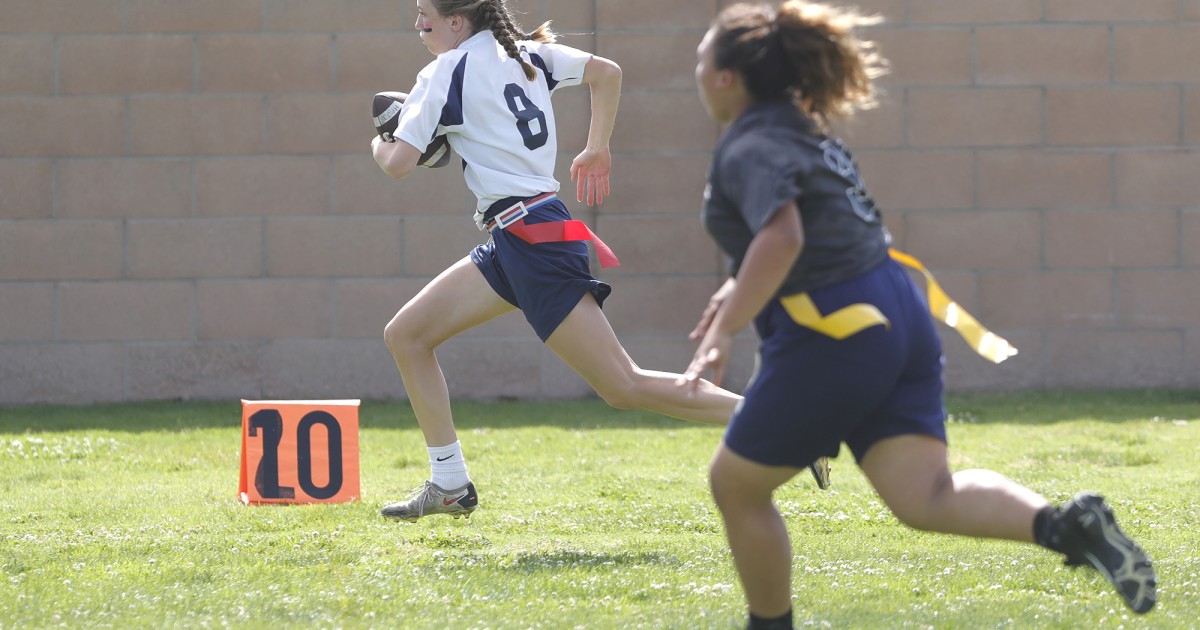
x=562, y=66
x=759, y=175
x=429, y=106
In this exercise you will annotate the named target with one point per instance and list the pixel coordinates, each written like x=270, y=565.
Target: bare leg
x=586, y=342
x=457, y=300
x=911, y=476
x=758, y=537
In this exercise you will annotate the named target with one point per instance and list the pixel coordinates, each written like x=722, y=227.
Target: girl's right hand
x=589, y=171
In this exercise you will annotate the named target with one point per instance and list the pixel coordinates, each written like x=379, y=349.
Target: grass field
x=126, y=516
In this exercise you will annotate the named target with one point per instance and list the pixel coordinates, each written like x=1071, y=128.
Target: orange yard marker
x=299, y=451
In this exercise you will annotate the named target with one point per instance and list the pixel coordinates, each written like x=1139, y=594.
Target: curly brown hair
x=805, y=51
x=494, y=16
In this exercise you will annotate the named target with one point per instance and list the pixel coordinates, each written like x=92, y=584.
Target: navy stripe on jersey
x=452, y=111
x=541, y=63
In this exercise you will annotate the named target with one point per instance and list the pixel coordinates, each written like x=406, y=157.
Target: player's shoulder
x=748, y=143
x=553, y=50
x=444, y=63
x=765, y=151
x=778, y=126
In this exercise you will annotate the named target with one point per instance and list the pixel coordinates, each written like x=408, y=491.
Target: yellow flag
x=989, y=345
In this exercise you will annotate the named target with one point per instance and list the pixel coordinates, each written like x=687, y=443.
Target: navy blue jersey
x=772, y=154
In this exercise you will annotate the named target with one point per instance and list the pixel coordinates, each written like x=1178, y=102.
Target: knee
x=914, y=517
x=402, y=337
x=394, y=335
x=617, y=399
x=920, y=510
x=725, y=491
x=621, y=393
x=719, y=487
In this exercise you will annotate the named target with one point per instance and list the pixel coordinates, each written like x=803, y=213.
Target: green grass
x=126, y=516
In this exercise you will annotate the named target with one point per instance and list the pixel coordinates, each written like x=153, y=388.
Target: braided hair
x=494, y=16
x=804, y=51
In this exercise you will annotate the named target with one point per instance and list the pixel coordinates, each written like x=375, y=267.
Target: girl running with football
x=849, y=352
x=489, y=92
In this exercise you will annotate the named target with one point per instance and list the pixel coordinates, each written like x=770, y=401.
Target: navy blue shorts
x=811, y=392
x=546, y=280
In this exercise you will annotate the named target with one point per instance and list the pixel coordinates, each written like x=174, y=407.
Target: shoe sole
x=1131, y=580
x=414, y=519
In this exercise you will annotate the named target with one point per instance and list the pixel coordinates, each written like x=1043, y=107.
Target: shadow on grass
x=1040, y=407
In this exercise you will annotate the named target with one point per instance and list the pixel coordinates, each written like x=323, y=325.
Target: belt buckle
x=514, y=213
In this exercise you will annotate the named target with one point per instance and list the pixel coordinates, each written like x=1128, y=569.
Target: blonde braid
x=509, y=24
x=497, y=20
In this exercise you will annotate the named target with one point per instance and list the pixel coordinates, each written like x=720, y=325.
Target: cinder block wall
x=188, y=208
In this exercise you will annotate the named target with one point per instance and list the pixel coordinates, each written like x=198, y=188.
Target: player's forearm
x=603, y=76
x=768, y=261
x=395, y=158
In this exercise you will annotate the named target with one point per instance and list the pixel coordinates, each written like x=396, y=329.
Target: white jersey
x=500, y=123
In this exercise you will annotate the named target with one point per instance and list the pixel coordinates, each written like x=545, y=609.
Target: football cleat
x=1090, y=536
x=432, y=499
x=820, y=472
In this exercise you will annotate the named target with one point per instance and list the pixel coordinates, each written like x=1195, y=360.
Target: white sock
x=449, y=469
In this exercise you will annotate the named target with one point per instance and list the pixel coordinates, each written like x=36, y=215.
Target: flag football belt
x=851, y=319
x=512, y=220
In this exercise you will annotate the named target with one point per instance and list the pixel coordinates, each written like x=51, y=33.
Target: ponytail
x=541, y=34
x=803, y=51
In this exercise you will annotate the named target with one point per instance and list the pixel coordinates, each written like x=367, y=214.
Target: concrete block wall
x=188, y=207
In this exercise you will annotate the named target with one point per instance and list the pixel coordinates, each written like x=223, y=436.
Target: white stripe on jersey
x=500, y=123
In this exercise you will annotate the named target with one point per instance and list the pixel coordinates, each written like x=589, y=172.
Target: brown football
x=385, y=110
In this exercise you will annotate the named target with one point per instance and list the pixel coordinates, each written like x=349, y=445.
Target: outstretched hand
x=710, y=311
x=712, y=354
x=589, y=171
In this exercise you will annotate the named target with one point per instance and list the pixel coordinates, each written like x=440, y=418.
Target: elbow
x=397, y=159
x=788, y=247
x=797, y=244
x=787, y=243
x=603, y=71
x=614, y=73
x=395, y=165
x=399, y=170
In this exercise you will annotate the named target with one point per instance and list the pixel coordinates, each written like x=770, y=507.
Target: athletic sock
x=449, y=469
x=783, y=622
x=1048, y=528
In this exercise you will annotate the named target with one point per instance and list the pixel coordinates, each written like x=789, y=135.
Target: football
x=385, y=110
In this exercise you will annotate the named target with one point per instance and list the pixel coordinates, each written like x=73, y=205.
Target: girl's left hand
x=712, y=354
x=589, y=171
x=710, y=311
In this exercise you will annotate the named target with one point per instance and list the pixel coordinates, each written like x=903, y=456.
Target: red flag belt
x=513, y=220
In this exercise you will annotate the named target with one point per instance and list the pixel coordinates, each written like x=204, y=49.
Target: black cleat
x=1090, y=536
x=820, y=472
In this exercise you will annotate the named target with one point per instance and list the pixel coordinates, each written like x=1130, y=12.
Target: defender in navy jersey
x=761, y=162
x=849, y=353
x=488, y=91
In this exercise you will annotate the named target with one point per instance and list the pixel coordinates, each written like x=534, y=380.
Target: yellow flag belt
x=851, y=319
